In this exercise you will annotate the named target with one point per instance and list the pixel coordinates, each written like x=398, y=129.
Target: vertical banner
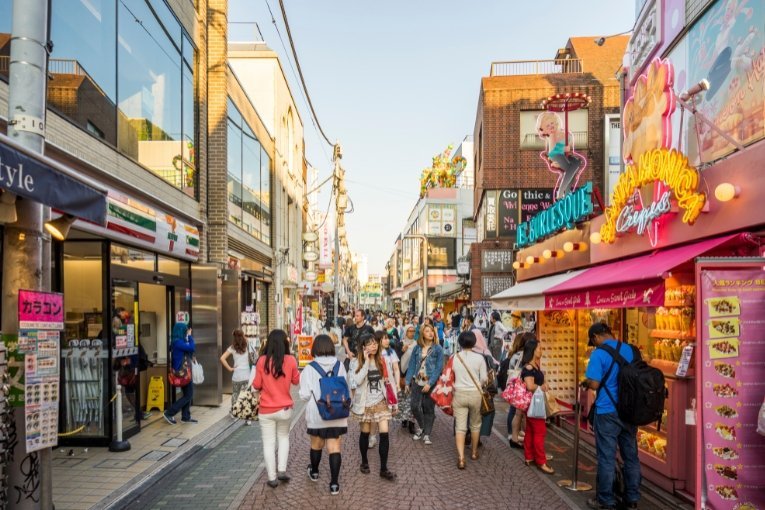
x=491, y=213
x=732, y=355
x=325, y=247
x=613, y=155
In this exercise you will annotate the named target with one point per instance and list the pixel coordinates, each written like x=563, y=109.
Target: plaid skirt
x=375, y=413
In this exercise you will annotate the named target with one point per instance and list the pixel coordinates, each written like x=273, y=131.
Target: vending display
x=557, y=329
x=732, y=354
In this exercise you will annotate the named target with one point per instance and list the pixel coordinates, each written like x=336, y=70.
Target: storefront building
x=125, y=106
x=675, y=264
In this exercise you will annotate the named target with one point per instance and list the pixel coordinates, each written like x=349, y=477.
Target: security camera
x=600, y=41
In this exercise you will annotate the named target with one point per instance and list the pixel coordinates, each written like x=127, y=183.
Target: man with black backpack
x=603, y=370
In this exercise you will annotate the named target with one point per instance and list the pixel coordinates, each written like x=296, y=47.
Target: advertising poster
x=732, y=351
x=726, y=47
x=508, y=212
x=534, y=201
x=305, y=344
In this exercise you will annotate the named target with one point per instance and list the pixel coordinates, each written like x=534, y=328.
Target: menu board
x=557, y=329
x=733, y=375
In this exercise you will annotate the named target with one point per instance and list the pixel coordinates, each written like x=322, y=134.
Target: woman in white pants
x=276, y=370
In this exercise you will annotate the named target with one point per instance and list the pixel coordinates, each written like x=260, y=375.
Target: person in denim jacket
x=425, y=367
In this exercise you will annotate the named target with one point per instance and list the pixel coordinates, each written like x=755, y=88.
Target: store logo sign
x=671, y=175
x=564, y=213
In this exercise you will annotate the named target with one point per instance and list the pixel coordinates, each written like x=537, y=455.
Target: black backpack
x=642, y=388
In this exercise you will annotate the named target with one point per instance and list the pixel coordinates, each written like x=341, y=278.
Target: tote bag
x=538, y=406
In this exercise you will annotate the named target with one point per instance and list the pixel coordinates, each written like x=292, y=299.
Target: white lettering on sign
x=14, y=177
x=642, y=218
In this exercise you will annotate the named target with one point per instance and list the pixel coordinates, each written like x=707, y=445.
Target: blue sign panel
x=564, y=213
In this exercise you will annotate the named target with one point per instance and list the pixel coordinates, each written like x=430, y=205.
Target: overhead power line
x=300, y=72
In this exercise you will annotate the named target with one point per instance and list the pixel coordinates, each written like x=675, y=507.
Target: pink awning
x=627, y=283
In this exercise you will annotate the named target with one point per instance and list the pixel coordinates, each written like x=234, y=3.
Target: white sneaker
x=426, y=440
x=248, y=423
x=417, y=436
x=373, y=441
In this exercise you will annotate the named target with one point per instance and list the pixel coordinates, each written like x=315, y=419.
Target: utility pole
x=337, y=154
x=23, y=263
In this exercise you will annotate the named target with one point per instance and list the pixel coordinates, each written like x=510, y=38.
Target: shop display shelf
x=652, y=455
x=674, y=335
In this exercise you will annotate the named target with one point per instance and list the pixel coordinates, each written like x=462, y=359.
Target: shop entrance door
x=124, y=347
x=155, y=313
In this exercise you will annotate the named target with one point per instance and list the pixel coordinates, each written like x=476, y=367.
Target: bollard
x=574, y=484
x=118, y=444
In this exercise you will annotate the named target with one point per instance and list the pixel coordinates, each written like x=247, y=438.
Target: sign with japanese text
x=497, y=261
x=732, y=380
x=491, y=213
x=491, y=285
x=41, y=310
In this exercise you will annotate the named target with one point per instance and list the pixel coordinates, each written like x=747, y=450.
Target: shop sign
x=41, y=310
x=497, y=261
x=38, y=179
x=441, y=252
x=463, y=267
x=325, y=247
x=491, y=213
x=612, y=147
x=508, y=212
x=633, y=295
x=671, y=175
x=571, y=209
x=491, y=285
x=646, y=37
x=182, y=317
x=292, y=273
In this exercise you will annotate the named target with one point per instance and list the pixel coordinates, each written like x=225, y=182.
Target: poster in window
x=508, y=212
x=441, y=253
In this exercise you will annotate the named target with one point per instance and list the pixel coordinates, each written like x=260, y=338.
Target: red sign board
x=643, y=294
x=41, y=310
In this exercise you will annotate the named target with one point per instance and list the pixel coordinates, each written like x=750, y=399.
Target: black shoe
x=283, y=477
x=514, y=444
x=190, y=420
x=169, y=419
x=388, y=475
x=596, y=505
x=314, y=477
x=334, y=489
x=273, y=483
x=364, y=469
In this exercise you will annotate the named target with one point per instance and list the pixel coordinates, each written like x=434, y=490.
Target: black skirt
x=329, y=432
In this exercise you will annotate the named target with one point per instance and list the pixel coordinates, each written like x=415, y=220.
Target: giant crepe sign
x=564, y=213
x=671, y=176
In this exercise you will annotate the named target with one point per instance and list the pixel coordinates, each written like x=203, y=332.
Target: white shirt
x=477, y=366
x=241, y=365
x=310, y=385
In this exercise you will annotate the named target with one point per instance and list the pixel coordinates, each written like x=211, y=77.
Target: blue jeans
x=610, y=431
x=510, y=415
x=183, y=404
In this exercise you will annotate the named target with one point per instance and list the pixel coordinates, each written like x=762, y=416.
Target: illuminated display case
x=557, y=329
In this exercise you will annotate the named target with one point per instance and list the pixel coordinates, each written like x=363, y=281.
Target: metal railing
x=531, y=141
x=524, y=67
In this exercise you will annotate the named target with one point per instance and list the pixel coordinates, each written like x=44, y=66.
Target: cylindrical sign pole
x=574, y=484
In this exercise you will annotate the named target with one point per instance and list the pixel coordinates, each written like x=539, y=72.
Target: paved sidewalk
x=428, y=478
x=85, y=478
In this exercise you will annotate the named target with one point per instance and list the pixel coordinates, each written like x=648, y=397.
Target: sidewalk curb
x=247, y=487
x=136, y=486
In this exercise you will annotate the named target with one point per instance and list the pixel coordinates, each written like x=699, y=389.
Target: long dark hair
x=528, y=351
x=276, y=349
x=240, y=343
x=520, y=341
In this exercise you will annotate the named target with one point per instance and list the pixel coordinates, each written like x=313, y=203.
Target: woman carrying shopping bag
x=536, y=427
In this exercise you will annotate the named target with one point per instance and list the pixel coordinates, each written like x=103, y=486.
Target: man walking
x=497, y=334
x=352, y=335
x=603, y=376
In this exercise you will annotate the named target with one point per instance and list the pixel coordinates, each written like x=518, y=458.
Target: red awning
x=632, y=282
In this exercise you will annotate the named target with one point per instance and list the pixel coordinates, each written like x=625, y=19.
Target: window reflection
x=248, y=178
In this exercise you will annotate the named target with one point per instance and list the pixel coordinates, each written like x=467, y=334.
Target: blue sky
x=397, y=81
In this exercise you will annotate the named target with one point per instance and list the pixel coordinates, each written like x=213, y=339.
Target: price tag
x=690, y=417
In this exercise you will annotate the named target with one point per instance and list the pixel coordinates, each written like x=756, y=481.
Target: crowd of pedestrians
x=377, y=370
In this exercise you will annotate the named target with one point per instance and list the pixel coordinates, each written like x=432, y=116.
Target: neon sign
x=648, y=113
x=670, y=174
x=564, y=213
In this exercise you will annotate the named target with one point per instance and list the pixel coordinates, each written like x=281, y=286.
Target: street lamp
x=424, y=269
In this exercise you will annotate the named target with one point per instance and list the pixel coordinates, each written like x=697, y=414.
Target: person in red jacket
x=275, y=371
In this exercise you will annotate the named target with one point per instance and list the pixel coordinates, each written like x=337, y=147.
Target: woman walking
x=405, y=408
x=370, y=405
x=425, y=367
x=514, y=418
x=536, y=428
x=240, y=372
x=183, y=348
x=469, y=377
x=323, y=432
x=275, y=371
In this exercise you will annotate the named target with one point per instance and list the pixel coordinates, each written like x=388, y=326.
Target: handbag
x=181, y=377
x=537, y=408
x=390, y=392
x=517, y=394
x=443, y=392
x=551, y=404
x=246, y=405
x=487, y=401
x=197, y=373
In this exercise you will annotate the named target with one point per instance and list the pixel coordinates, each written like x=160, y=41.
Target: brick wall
x=217, y=83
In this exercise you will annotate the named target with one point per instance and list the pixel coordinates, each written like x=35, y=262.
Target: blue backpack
x=334, y=402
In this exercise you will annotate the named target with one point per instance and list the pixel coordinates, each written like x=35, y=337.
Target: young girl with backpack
x=323, y=432
x=370, y=404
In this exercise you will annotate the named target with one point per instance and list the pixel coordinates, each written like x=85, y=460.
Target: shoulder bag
x=443, y=392
x=487, y=402
x=181, y=377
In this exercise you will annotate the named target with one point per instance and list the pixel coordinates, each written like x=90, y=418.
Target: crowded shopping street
x=292, y=254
